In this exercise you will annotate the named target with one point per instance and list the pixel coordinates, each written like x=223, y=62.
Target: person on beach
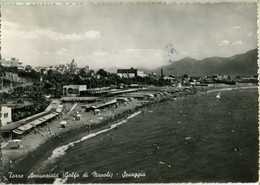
x=88, y=126
x=53, y=134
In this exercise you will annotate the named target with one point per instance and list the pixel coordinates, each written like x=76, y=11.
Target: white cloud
x=236, y=27
x=129, y=36
x=184, y=53
x=124, y=58
x=233, y=43
x=16, y=31
x=238, y=42
x=100, y=54
x=58, y=36
x=250, y=34
x=92, y=34
x=45, y=53
x=143, y=51
x=130, y=57
x=10, y=25
x=62, y=51
x=224, y=43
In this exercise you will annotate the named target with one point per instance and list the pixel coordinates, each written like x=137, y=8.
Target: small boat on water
x=131, y=151
x=218, y=96
x=150, y=152
x=161, y=162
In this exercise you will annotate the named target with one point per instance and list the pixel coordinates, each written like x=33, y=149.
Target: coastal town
x=42, y=93
x=129, y=93
x=43, y=103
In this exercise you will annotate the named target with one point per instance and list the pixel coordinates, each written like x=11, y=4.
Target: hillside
x=242, y=64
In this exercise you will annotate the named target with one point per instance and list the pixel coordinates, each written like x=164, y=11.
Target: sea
x=198, y=138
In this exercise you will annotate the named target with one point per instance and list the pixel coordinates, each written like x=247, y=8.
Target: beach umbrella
x=151, y=96
x=47, y=96
x=63, y=122
x=96, y=111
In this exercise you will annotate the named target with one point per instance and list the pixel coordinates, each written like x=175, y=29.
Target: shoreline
x=36, y=156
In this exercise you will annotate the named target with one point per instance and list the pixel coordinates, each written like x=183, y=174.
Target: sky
x=126, y=35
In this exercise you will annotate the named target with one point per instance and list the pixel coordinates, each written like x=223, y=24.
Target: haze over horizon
x=126, y=35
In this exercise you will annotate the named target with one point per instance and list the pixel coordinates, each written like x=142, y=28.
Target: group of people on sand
x=45, y=131
x=88, y=125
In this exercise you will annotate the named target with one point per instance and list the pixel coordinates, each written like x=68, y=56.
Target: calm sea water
x=195, y=139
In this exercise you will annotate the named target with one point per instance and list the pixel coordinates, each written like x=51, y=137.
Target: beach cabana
x=77, y=116
x=118, y=92
x=13, y=129
x=87, y=107
x=14, y=144
x=59, y=108
x=20, y=130
x=102, y=105
x=151, y=96
x=37, y=122
x=63, y=124
x=122, y=100
x=96, y=112
x=25, y=127
x=144, y=102
x=130, y=98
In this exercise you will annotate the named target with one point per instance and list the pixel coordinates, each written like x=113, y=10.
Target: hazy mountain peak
x=241, y=64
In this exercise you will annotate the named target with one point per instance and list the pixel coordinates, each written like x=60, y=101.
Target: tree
x=2, y=69
x=19, y=101
x=102, y=72
x=73, y=66
x=185, y=76
x=47, y=85
x=82, y=73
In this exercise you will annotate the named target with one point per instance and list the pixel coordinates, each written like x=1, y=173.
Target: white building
x=6, y=115
x=13, y=62
x=73, y=90
x=141, y=73
x=86, y=69
x=127, y=73
x=12, y=77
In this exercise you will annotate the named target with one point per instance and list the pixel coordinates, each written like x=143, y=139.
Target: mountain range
x=241, y=64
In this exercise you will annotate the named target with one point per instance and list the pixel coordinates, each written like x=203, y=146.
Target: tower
x=162, y=73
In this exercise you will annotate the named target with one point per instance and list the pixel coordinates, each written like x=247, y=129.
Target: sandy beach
x=36, y=146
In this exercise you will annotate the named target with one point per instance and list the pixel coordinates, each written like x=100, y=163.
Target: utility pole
x=40, y=84
x=2, y=83
x=11, y=84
